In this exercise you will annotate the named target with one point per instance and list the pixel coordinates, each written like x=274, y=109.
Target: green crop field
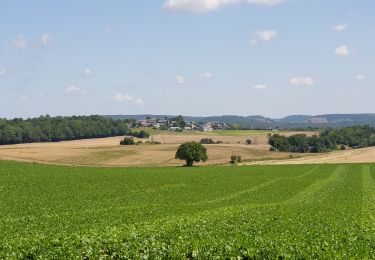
x=302, y=211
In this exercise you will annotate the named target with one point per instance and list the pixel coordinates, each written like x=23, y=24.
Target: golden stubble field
x=108, y=152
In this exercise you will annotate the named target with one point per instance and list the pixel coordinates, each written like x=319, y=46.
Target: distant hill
x=260, y=122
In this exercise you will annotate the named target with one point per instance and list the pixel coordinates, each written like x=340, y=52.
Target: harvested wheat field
x=108, y=152
x=364, y=155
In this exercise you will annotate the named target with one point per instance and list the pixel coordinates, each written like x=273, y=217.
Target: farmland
x=291, y=211
x=108, y=152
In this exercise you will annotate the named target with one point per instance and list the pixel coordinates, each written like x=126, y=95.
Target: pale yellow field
x=108, y=152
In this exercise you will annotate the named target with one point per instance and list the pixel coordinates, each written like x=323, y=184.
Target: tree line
x=328, y=140
x=54, y=129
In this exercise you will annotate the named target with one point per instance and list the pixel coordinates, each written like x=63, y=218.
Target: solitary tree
x=191, y=152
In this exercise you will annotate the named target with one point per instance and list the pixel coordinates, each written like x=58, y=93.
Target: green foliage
x=257, y=212
x=191, y=152
x=140, y=134
x=248, y=141
x=235, y=159
x=179, y=122
x=207, y=141
x=54, y=129
x=127, y=141
x=354, y=137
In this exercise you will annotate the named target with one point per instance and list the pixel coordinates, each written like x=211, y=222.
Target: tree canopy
x=191, y=152
x=328, y=140
x=54, y=129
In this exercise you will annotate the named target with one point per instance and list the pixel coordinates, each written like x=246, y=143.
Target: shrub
x=127, y=141
x=235, y=159
x=207, y=141
x=248, y=141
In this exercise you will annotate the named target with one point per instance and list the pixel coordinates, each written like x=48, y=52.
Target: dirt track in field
x=108, y=152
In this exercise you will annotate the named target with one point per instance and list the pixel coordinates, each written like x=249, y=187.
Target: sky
x=191, y=57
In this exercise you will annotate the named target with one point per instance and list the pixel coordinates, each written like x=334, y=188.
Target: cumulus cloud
x=74, y=91
x=3, y=71
x=265, y=36
x=205, y=75
x=126, y=98
x=180, y=80
x=88, y=72
x=45, y=39
x=260, y=87
x=360, y=77
x=202, y=6
x=340, y=27
x=343, y=51
x=302, y=81
x=19, y=43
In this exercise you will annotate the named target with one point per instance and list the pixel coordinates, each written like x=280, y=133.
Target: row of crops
x=302, y=211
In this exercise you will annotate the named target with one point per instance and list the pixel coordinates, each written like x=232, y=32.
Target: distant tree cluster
x=140, y=134
x=54, y=129
x=210, y=141
x=328, y=140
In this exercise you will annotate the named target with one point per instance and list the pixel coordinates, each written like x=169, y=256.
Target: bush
x=235, y=159
x=207, y=141
x=140, y=134
x=191, y=152
x=127, y=141
x=248, y=141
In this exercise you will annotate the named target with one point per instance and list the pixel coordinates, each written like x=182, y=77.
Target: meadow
x=286, y=211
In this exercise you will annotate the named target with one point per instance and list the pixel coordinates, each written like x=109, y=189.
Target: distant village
x=179, y=124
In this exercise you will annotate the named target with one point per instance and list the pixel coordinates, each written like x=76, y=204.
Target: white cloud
x=139, y=102
x=126, y=98
x=265, y=36
x=302, y=81
x=19, y=43
x=360, y=77
x=260, y=87
x=340, y=27
x=74, y=91
x=45, y=39
x=88, y=72
x=180, y=80
x=205, y=75
x=25, y=98
x=122, y=98
x=3, y=71
x=265, y=2
x=343, y=51
x=202, y=6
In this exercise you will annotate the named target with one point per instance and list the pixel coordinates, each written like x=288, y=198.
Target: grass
x=301, y=211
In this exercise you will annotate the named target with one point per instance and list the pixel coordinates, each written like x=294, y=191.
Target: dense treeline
x=328, y=140
x=54, y=129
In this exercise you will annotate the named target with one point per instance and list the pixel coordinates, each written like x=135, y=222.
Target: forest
x=54, y=129
x=330, y=139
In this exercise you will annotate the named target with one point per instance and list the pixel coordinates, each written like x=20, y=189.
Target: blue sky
x=190, y=57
